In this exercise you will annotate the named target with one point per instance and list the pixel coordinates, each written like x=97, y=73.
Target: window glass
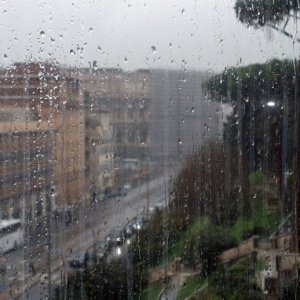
x=149, y=149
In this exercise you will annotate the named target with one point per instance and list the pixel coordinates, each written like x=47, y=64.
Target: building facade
x=41, y=128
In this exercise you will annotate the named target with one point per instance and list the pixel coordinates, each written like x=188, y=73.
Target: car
x=151, y=210
x=44, y=278
x=79, y=260
x=115, y=238
x=127, y=187
x=102, y=249
x=2, y=264
x=128, y=231
x=160, y=205
x=101, y=197
x=119, y=192
x=138, y=223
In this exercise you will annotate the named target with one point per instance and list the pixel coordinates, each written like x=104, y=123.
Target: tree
x=236, y=282
x=105, y=280
x=263, y=135
x=274, y=14
x=205, y=249
x=200, y=189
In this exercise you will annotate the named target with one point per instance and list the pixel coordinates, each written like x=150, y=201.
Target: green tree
x=204, y=249
x=262, y=136
x=200, y=188
x=106, y=280
x=271, y=13
x=236, y=282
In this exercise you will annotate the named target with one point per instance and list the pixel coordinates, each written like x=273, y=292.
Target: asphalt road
x=94, y=225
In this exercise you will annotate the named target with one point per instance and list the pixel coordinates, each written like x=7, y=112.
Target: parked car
x=2, y=264
x=80, y=260
x=102, y=249
x=101, y=197
x=119, y=192
x=160, y=205
x=127, y=187
x=138, y=223
x=128, y=231
x=44, y=278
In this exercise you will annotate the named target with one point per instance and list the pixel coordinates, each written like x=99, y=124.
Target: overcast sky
x=196, y=34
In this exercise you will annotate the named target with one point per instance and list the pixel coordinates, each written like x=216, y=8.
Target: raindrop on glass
x=153, y=49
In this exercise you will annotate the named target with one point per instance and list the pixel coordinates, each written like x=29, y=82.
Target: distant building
x=98, y=149
x=26, y=168
x=125, y=96
x=181, y=119
x=70, y=148
x=156, y=114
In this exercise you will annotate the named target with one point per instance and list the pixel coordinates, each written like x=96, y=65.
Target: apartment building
x=158, y=114
x=98, y=149
x=41, y=127
x=181, y=118
x=126, y=97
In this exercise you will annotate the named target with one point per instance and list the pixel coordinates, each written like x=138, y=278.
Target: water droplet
x=179, y=141
x=126, y=59
x=91, y=30
x=192, y=109
x=42, y=33
x=153, y=49
x=183, y=11
x=99, y=48
x=5, y=55
x=72, y=52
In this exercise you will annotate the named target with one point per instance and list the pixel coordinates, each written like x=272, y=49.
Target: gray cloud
x=195, y=34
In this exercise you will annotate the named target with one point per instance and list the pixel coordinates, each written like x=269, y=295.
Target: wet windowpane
x=149, y=149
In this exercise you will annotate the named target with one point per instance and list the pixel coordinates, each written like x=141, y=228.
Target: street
x=93, y=226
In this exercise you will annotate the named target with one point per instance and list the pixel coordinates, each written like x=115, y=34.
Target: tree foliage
x=147, y=248
x=200, y=188
x=260, y=132
x=262, y=12
x=236, y=282
x=272, y=13
x=255, y=83
x=107, y=280
x=205, y=248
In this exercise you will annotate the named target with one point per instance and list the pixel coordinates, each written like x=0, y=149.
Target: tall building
x=42, y=156
x=98, y=149
x=125, y=97
x=70, y=182
x=158, y=114
x=181, y=119
x=28, y=100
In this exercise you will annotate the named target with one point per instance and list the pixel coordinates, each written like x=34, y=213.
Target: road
x=94, y=224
